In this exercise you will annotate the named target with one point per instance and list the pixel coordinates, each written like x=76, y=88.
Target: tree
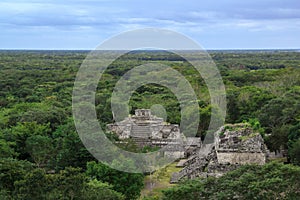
x=294, y=152
x=244, y=102
x=6, y=149
x=69, y=147
x=21, y=132
x=69, y=183
x=128, y=184
x=12, y=170
x=97, y=190
x=40, y=148
x=279, y=116
x=33, y=186
x=188, y=190
x=294, y=137
x=278, y=138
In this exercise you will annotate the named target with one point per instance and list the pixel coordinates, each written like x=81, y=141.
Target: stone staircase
x=194, y=165
x=140, y=131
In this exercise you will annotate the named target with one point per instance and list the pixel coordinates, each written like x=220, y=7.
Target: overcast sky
x=215, y=24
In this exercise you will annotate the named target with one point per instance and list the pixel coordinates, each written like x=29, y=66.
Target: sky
x=214, y=24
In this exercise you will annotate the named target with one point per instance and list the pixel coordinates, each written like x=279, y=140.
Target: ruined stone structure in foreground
x=234, y=145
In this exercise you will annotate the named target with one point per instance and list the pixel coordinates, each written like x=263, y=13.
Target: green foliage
x=293, y=143
x=186, y=191
x=148, y=149
x=41, y=113
x=278, y=138
x=279, y=115
x=12, y=170
x=128, y=184
x=33, y=186
x=294, y=132
x=4, y=195
x=244, y=102
x=21, y=132
x=36, y=125
x=70, y=183
x=70, y=149
x=285, y=107
x=294, y=152
x=7, y=149
x=255, y=125
x=272, y=181
x=40, y=148
x=97, y=190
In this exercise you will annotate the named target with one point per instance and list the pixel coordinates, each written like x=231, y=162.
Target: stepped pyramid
x=149, y=130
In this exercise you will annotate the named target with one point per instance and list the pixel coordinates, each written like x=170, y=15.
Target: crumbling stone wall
x=234, y=145
x=241, y=158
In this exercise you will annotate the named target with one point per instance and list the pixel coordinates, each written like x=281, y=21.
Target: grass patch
x=279, y=160
x=246, y=137
x=159, y=180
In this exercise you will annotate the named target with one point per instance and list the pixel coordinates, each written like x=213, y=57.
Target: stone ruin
x=149, y=130
x=234, y=145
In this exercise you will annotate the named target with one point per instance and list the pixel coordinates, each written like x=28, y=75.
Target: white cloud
x=105, y=17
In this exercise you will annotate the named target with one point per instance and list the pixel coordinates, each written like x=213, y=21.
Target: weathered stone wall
x=174, y=154
x=241, y=158
x=238, y=145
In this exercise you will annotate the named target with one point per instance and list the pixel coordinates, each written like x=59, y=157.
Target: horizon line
x=209, y=49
